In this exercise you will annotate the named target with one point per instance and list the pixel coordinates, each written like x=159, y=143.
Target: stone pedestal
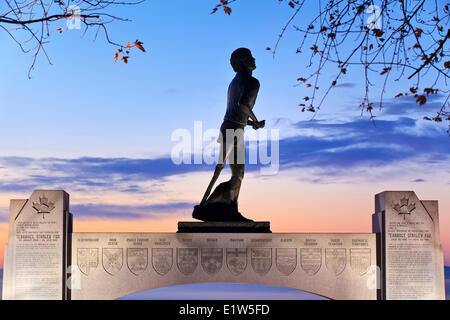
x=38, y=249
x=405, y=245
x=222, y=227
x=410, y=253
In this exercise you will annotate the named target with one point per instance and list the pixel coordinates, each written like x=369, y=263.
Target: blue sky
x=114, y=108
x=87, y=105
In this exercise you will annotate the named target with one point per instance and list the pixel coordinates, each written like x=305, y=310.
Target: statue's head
x=242, y=60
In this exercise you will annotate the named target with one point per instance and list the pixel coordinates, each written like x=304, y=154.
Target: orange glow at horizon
x=3, y=241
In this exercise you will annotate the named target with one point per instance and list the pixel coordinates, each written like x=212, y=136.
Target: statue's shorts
x=232, y=145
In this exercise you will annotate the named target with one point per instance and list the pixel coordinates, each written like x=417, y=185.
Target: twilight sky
x=102, y=130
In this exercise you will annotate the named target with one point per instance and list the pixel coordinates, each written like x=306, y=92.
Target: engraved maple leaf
x=397, y=207
x=44, y=206
x=404, y=207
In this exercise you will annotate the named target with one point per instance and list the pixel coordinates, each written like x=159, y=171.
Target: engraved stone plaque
x=335, y=260
x=187, y=260
x=311, y=260
x=286, y=260
x=236, y=260
x=87, y=259
x=360, y=260
x=261, y=260
x=37, y=246
x=411, y=249
x=137, y=260
x=162, y=260
x=112, y=260
x=212, y=259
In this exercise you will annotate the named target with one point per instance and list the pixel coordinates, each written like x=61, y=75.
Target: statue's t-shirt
x=242, y=90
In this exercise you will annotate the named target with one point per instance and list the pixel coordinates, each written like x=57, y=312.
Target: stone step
x=224, y=227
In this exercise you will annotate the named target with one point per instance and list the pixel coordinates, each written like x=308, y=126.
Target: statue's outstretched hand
x=256, y=125
x=262, y=123
x=259, y=124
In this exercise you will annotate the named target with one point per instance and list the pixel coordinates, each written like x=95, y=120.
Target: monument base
x=224, y=227
x=401, y=259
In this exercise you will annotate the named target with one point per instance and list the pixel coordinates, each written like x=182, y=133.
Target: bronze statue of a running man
x=222, y=204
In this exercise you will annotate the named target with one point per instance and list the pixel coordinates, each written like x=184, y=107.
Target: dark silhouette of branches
x=29, y=22
x=385, y=41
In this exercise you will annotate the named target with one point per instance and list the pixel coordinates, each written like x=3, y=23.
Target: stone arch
x=196, y=292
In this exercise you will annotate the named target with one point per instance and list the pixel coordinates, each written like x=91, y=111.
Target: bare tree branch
x=29, y=22
x=380, y=40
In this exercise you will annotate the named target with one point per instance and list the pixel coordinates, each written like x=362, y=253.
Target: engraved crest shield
x=137, y=260
x=212, y=259
x=335, y=260
x=187, y=260
x=360, y=260
x=286, y=260
x=236, y=260
x=311, y=260
x=162, y=260
x=87, y=259
x=112, y=260
x=261, y=260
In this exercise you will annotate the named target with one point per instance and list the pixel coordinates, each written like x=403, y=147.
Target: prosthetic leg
x=216, y=175
x=237, y=175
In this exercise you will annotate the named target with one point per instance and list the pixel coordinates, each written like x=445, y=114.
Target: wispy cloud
x=109, y=211
x=118, y=174
x=357, y=143
x=406, y=105
x=331, y=147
